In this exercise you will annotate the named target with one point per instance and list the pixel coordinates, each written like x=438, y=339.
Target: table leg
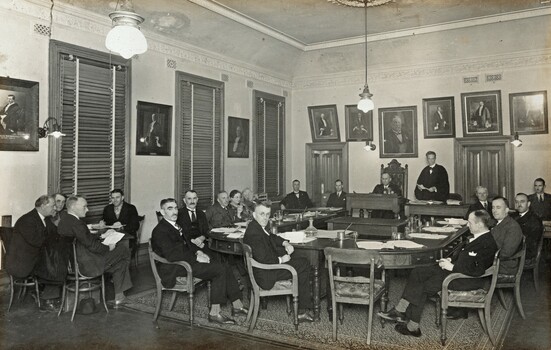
x=316, y=293
x=384, y=298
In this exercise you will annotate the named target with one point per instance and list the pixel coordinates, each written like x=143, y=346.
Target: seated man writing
x=95, y=258
x=385, y=187
x=169, y=241
x=271, y=249
x=472, y=259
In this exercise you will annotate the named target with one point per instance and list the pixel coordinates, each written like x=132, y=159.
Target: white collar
x=476, y=235
x=522, y=214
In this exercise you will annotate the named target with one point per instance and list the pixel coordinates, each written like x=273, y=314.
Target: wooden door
x=325, y=163
x=486, y=162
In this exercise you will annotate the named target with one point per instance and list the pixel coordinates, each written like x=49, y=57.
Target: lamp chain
x=365, y=23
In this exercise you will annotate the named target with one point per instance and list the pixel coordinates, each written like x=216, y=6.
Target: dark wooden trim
x=326, y=146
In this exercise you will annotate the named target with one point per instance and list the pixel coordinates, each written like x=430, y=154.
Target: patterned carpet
x=274, y=324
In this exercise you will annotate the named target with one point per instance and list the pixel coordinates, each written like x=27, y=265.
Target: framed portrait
x=18, y=115
x=359, y=125
x=528, y=112
x=439, y=117
x=398, y=132
x=238, y=137
x=481, y=112
x=154, y=129
x=324, y=123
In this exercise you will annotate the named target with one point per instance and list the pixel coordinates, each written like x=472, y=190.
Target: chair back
x=159, y=216
x=455, y=196
x=520, y=257
x=398, y=174
x=493, y=271
x=262, y=197
x=250, y=263
x=152, y=258
x=139, y=232
x=535, y=262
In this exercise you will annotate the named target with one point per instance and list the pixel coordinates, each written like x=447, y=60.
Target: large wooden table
x=313, y=251
x=456, y=211
x=368, y=227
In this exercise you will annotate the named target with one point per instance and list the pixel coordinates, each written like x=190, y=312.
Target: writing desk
x=454, y=211
x=374, y=201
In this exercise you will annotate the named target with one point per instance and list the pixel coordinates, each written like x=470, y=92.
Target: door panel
x=325, y=163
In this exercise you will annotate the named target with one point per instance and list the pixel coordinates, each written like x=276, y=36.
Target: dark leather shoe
x=402, y=328
x=393, y=315
x=240, y=311
x=457, y=314
x=221, y=319
x=305, y=317
x=48, y=306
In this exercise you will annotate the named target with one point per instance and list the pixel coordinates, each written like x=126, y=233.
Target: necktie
x=541, y=198
x=179, y=228
x=485, y=205
x=193, y=217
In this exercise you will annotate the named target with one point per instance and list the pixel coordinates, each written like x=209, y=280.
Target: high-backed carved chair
x=398, y=174
x=138, y=238
x=534, y=263
x=354, y=290
x=513, y=281
x=480, y=299
x=184, y=285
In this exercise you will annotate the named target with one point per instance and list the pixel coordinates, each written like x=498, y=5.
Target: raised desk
x=368, y=227
x=454, y=211
x=374, y=201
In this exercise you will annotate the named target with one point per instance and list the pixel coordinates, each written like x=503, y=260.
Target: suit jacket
x=543, y=210
x=128, y=217
x=476, y=256
x=91, y=253
x=246, y=214
x=532, y=229
x=380, y=189
x=392, y=143
x=335, y=201
x=24, y=248
x=508, y=236
x=196, y=229
x=326, y=128
x=292, y=202
x=12, y=119
x=478, y=206
x=266, y=250
x=218, y=216
x=167, y=242
x=438, y=179
x=440, y=122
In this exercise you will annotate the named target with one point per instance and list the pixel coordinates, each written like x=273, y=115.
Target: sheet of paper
x=296, y=237
x=403, y=244
x=236, y=235
x=446, y=229
x=112, y=237
x=427, y=236
x=241, y=224
x=372, y=245
x=225, y=230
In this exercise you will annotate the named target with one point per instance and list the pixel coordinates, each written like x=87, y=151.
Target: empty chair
x=354, y=289
x=513, y=281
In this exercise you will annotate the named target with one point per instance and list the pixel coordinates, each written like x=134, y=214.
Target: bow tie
x=397, y=132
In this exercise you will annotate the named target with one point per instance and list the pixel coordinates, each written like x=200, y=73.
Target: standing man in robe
x=432, y=183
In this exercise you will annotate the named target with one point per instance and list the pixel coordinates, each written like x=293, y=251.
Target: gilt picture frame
x=439, y=117
x=154, y=129
x=398, y=132
x=359, y=125
x=481, y=113
x=528, y=113
x=324, y=123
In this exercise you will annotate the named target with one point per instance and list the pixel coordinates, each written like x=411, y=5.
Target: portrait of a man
x=528, y=112
x=439, y=117
x=324, y=123
x=238, y=137
x=359, y=125
x=153, y=129
x=399, y=129
x=12, y=118
x=481, y=113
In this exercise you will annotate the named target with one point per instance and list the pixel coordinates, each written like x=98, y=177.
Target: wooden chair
x=78, y=283
x=513, y=281
x=354, y=290
x=22, y=283
x=476, y=299
x=284, y=287
x=138, y=238
x=533, y=264
x=398, y=174
x=185, y=285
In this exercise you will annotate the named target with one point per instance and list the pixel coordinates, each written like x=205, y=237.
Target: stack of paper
x=453, y=202
x=296, y=237
x=427, y=236
x=225, y=230
x=445, y=229
x=236, y=235
x=111, y=237
x=376, y=245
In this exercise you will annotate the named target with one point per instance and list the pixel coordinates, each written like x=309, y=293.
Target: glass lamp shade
x=126, y=40
x=366, y=104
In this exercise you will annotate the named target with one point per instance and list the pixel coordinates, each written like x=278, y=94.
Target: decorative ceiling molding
x=460, y=68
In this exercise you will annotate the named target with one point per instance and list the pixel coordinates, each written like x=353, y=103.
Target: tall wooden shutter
x=269, y=143
x=93, y=113
x=199, y=137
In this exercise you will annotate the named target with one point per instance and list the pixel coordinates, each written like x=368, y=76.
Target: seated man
x=508, y=235
x=540, y=202
x=385, y=187
x=218, y=214
x=337, y=199
x=481, y=203
x=59, y=207
x=432, y=183
x=120, y=212
x=169, y=242
x=530, y=224
x=297, y=199
x=271, y=249
x=94, y=257
x=248, y=198
x=472, y=259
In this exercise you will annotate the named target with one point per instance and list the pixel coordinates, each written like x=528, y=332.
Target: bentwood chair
x=534, y=263
x=354, y=289
x=136, y=251
x=480, y=299
x=513, y=281
x=22, y=283
x=285, y=287
x=183, y=285
x=78, y=283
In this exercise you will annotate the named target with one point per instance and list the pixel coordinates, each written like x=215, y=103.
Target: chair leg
x=536, y=273
x=172, y=301
x=501, y=298
x=12, y=290
x=36, y=291
x=255, y=312
x=482, y=321
x=443, y=324
x=341, y=313
x=518, y=300
x=488, y=320
x=208, y=294
x=103, y=294
x=63, y=296
x=295, y=306
x=158, y=306
x=251, y=307
x=334, y=306
x=288, y=301
x=76, y=300
x=437, y=312
x=369, y=322
x=190, y=308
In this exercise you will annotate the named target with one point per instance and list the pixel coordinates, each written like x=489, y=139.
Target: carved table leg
x=316, y=292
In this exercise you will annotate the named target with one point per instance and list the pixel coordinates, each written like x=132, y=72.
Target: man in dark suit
x=540, y=202
x=472, y=259
x=396, y=139
x=432, y=183
x=218, y=214
x=297, y=199
x=120, y=212
x=153, y=140
x=530, y=224
x=95, y=258
x=385, y=187
x=268, y=248
x=337, y=199
x=324, y=126
x=508, y=235
x=440, y=121
x=169, y=241
x=481, y=203
x=10, y=117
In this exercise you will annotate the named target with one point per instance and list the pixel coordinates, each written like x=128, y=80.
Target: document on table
x=111, y=237
x=427, y=236
x=376, y=245
x=236, y=235
x=296, y=237
x=225, y=230
x=445, y=229
x=332, y=234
